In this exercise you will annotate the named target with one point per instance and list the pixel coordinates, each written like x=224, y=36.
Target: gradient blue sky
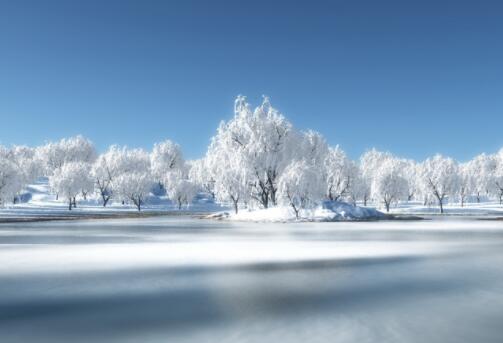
x=412, y=77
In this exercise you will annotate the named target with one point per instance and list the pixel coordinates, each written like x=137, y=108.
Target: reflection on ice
x=189, y=280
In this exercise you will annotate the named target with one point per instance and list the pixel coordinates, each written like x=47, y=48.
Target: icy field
x=178, y=279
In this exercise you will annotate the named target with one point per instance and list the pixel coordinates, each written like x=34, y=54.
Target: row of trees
x=256, y=160
x=75, y=170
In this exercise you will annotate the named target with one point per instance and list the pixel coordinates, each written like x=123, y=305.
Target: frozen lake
x=179, y=279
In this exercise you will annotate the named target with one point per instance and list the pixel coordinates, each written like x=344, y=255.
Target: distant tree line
x=255, y=160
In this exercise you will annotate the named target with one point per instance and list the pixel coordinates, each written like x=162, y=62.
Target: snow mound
x=327, y=211
x=338, y=210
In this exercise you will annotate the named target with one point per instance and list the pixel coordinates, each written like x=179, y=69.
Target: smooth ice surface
x=180, y=279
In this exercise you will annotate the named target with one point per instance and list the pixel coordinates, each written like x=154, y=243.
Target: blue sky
x=412, y=77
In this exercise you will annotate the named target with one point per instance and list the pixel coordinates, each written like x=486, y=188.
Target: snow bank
x=327, y=211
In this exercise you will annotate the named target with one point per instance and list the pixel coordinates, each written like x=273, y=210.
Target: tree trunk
x=235, y=202
x=296, y=210
x=440, y=202
x=105, y=200
x=478, y=197
x=74, y=202
x=387, y=205
x=70, y=205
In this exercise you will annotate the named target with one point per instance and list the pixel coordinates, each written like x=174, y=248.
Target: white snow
x=327, y=211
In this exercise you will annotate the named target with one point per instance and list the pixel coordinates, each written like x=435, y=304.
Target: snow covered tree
x=166, y=157
x=359, y=188
x=300, y=186
x=388, y=183
x=497, y=175
x=26, y=165
x=180, y=189
x=464, y=182
x=73, y=149
x=133, y=179
x=440, y=177
x=313, y=148
x=339, y=171
x=27, y=162
x=70, y=180
x=478, y=175
x=411, y=172
x=231, y=177
x=110, y=164
x=201, y=175
x=264, y=141
x=369, y=164
x=11, y=181
x=134, y=186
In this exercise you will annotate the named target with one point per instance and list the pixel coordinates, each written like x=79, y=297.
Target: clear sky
x=412, y=77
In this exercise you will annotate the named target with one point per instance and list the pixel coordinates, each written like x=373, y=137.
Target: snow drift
x=327, y=211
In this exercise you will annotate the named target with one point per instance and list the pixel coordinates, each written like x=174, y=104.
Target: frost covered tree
x=73, y=149
x=231, y=177
x=440, y=177
x=133, y=180
x=110, y=164
x=360, y=187
x=339, y=171
x=166, y=157
x=369, y=164
x=11, y=181
x=497, y=176
x=70, y=180
x=388, y=184
x=478, y=175
x=134, y=186
x=179, y=188
x=264, y=141
x=300, y=186
x=312, y=147
x=26, y=165
x=411, y=172
x=465, y=179
x=200, y=173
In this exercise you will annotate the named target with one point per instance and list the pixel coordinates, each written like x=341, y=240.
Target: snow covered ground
x=39, y=201
x=487, y=208
x=179, y=279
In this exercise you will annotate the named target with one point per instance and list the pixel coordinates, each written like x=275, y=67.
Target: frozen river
x=179, y=279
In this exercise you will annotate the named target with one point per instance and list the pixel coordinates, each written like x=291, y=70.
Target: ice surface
x=180, y=279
